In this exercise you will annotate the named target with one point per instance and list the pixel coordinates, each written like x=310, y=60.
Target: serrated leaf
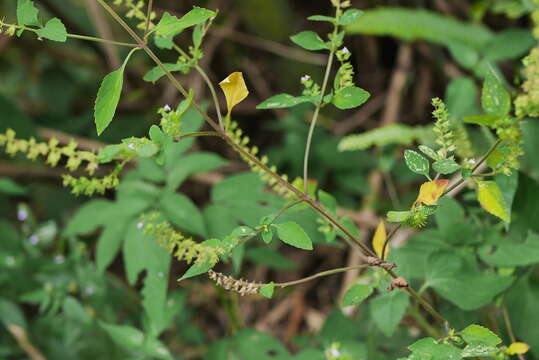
x=379, y=240
x=181, y=211
x=27, y=13
x=388, y=309
x=293, y=234
x=157, y=73
x=518, y=348
x=235, y=89
x=445, y=166
x=282, y=101
x=170, y=25
x=494, y=98
x=267, y=290
x=491, y=199
x=416, y=162
x=309, y=40
x=430, y=192
x=54, y=30
x=480, y=334
x=350, y=97
x=349, y=16
x=356, y=294
x=429, y=152
x=108, y=96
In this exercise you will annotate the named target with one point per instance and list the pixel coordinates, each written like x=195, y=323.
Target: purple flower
x=22, y=214
x=33, y=239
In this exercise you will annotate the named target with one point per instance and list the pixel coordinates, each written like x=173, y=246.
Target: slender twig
x=21, y=336
x=148, y=16
x=320, y=274
x=350, y=239
x=509, y=328
x=316, y=112
x=105, y=41
x=198, y=134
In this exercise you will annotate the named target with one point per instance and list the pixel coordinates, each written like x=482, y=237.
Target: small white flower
x=471, y=161
x=40, y=38
x=131, y=146
x=335, y=352
x=167, y=108
x=345, y=51
x=59, y=259
x=89, y=290
x=140, y=225
x=305, y=78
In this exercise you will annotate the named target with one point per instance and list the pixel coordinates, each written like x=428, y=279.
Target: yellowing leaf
x=235, y=90
x=379, y=240
x=491, y=199
x=518, y=348
x=430, y=192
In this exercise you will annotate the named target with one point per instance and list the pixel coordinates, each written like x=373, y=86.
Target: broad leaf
x=54, y=30
x=108, y=96
x=293, y=234
x=27, y=13
x=491, y=199
x=388, y=309
x=126, y=336
x=170, y=25
x=356, y=294
x=350, y=97
x=195, y=270
x=428, y=348
x=309, y=40
x=182, y=212
x=494, y=98
x=349, y=16
x=282, y=101
x=446, y=166
x=416, y=162
x=518, y=348
x=157, y=73
x=267, y=290
x=480, y=334
x=10, y=187
x=235, y=89
x=431, y=191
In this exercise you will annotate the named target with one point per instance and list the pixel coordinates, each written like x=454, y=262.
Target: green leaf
x=446, y=166
x=427, y=348
x=267, y=290
x=10, y=187
x=128, y=337
x=494, y=98
x=282, y=101
x=72, y=309
x=309, y=40
x=388, y=309
x=491, y=199
x=509, y=44
x=192, y=164
x=418, y=24
x=382, y=136
x=11, y=314
x=88, y=217
x=195, y=270
x=322, y=18
x=269, y=257
x=465, y=55
x=350, y=97
x=484, y=119
x=429, y=152
x=109, y=244
x=397, y=216
x=182, y=212
x=267, y=235
x=157, y=73
x=54, y=30
x=479, y=334
x=27, y=13
x=349, y=16
x=170, y=25
x=293, y=234
x=416, y=162
x=108, y=96
x=509, y=253
x=356, y=294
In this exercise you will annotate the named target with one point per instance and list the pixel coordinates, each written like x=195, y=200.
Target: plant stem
x=105, y=41
x=148, y=15
x=350, y=239
x=509, y=328
x=316, y=112
x=320, y=274
x=198, y=134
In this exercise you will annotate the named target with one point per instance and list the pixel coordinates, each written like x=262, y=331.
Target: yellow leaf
x=518, y=348
x=235, y=90
x=379, y=240
x=491, y=199
x=430, y=192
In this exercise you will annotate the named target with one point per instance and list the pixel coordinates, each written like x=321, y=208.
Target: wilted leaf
x=235, y=89
x=518, y=348
x=430, y=192
x=379, y=240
